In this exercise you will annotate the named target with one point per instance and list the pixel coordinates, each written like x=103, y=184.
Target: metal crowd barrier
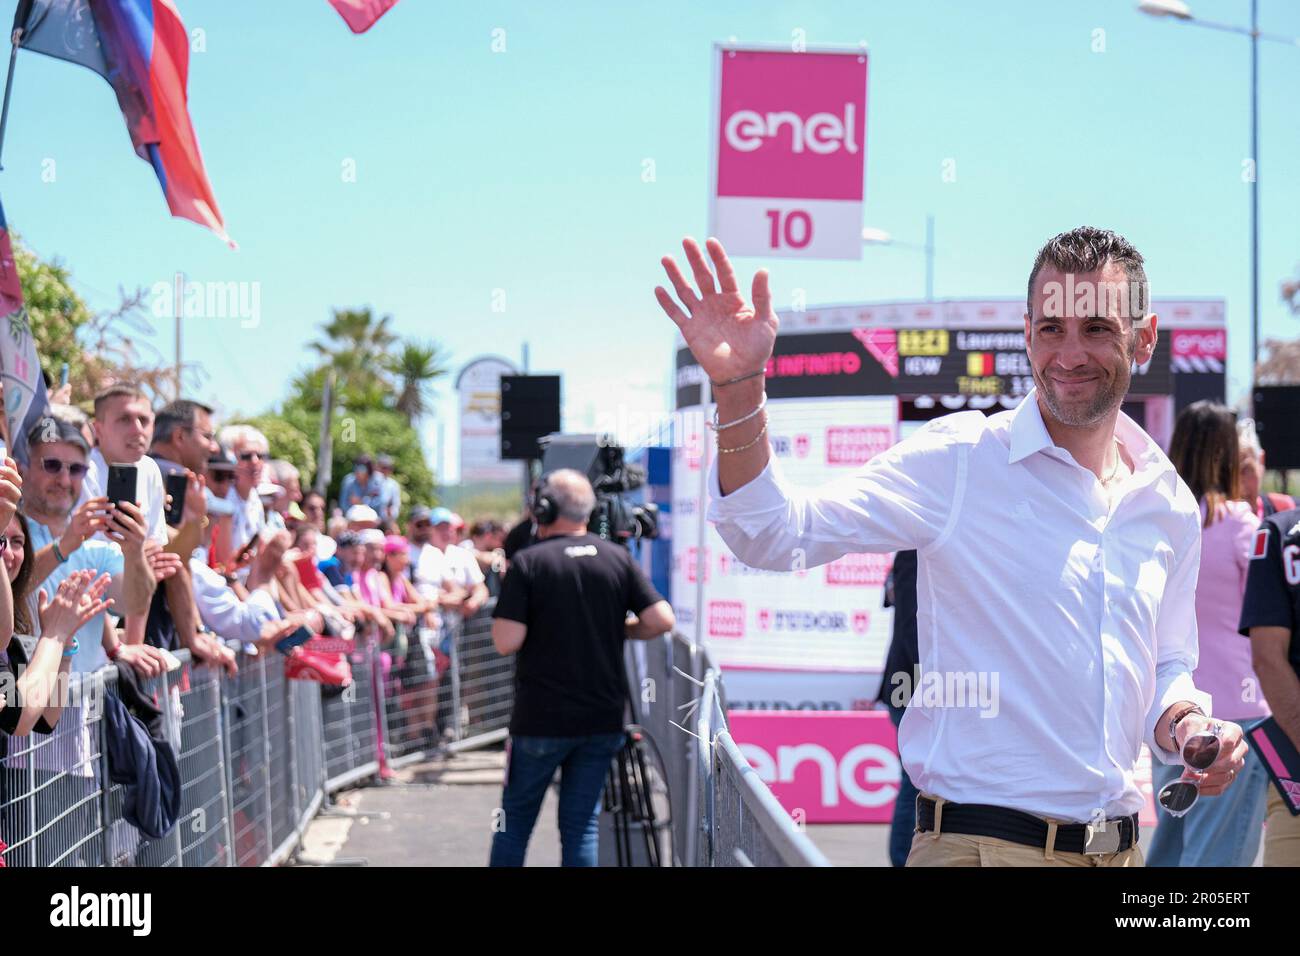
x=260, y=755
x=723, y=815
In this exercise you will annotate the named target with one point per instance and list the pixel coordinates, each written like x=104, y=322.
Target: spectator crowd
x=246, y=560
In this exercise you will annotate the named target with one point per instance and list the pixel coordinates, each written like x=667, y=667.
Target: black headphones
x=545, y=509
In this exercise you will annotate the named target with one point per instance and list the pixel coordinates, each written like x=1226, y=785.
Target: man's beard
x=47, y=509
x=1109, y=396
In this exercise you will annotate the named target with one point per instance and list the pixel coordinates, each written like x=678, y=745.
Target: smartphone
x=176, y=484
x=252, y=543
x=63, y=375
x=121, y=483
x=4, y=452
x=301, y=636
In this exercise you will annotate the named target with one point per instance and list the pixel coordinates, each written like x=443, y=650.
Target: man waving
x=1058, y=555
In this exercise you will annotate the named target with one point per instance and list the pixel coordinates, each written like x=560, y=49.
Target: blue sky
x=521, y=171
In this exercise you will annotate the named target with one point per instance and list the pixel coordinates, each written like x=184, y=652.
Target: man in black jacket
x=563, y=609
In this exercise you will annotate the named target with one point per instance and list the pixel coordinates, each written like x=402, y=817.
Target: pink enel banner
x=841, y=766
x=792, y=124
x=790, y=153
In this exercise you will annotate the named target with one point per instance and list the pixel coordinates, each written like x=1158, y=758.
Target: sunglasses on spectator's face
x=219, y=477
x=250, y=455
x=53, y=466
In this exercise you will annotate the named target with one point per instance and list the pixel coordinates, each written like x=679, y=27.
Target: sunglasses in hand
x=1199, y=752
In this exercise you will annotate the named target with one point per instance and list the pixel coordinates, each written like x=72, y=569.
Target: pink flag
x=360, y=15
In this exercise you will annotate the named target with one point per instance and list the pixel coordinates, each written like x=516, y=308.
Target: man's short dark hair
x=50, y=430
x=118, y=390
x=181, y=413
x=1089, y=249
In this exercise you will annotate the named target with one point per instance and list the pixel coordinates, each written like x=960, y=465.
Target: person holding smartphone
x=64, y=543
x=64, y=538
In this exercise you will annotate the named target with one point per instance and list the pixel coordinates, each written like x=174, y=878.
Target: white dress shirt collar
x=1029, y=435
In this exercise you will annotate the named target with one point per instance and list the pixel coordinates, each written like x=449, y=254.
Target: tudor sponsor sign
x=800, y=619
x=789, y=143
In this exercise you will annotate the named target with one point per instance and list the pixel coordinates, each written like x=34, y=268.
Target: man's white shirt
x=432, y=566
x=149, y=491
x=248, y=520
x=223, y=612
x=461, y=567
x=1077, y=606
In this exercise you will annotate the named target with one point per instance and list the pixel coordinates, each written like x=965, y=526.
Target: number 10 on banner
x=795, y=231
x=789, y=228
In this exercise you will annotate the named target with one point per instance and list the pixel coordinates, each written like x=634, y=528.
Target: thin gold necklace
x=1119, y=459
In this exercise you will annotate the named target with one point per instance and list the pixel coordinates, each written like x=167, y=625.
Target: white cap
x=325, y=547
x=268, y=489
x=363, y=513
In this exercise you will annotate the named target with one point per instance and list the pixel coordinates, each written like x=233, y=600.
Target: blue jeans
x=1218, y=831
x=903, y=825
x=583, y=763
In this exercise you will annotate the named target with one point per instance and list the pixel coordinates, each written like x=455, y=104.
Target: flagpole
x=9, y=82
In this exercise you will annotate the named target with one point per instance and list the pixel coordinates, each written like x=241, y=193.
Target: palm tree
x=416, y=366
x=356, y=346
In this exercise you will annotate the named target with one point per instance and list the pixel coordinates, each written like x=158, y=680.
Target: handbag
x=330, y=668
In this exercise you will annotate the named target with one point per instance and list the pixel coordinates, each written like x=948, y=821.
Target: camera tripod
x=629, y=798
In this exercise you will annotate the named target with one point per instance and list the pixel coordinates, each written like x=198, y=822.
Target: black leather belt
x=977, y=819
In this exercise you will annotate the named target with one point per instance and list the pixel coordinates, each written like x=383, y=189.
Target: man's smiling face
x=1082, y=358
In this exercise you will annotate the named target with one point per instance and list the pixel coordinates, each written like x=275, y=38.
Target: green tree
x=373, y=431
x=98, y=347
x=357, y=346
x=55, y=311
x=416, y=367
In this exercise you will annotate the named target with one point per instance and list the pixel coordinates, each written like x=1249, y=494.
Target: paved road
x=439, y=813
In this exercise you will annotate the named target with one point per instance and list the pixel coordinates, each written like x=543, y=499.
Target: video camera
x=600, y=458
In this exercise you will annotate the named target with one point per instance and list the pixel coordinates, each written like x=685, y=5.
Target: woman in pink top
x=1223, y=830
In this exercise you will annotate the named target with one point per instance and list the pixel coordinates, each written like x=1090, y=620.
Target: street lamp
x=1179, y=10
x=879, y=237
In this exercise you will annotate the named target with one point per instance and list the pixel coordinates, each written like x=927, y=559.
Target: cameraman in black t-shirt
x=563, y=608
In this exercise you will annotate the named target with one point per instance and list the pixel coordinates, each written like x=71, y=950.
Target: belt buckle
x=1102, y=839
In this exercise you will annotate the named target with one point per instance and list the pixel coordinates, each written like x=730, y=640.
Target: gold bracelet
x=731, y=451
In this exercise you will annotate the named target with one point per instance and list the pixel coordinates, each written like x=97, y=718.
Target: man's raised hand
x=728, y=336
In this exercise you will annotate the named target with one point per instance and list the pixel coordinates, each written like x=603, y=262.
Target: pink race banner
x=789, y=152
x=823, y=767
x=842, y=766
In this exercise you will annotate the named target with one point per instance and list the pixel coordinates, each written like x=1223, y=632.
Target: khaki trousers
x=1281, y=832
x=936, y=848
